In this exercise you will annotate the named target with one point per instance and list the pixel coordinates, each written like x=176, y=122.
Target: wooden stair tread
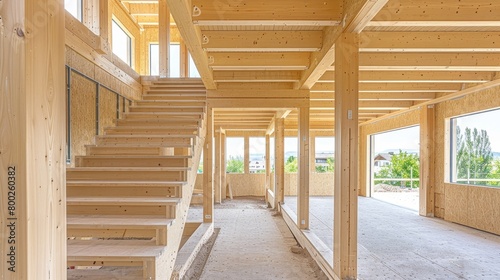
x=137, y=157
x=97, y=200
x=117, y=221
x=149, y=169
x=124, y=183
x=148, y=136
x=126, y=249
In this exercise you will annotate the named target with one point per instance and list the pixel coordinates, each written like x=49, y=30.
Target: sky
x=404, y=139
x=489, y=121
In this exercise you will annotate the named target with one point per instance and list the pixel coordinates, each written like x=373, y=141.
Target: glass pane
x=477, y=149
x=235, y=154
x=154, y=60
x=175, y=61
x=74, y=7
x=193, y=71
x=122, y=44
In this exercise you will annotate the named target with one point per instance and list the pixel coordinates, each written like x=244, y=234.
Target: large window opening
x=122, y=43
x=175, y=60
x=291, y=161
x=193, y=71
x=257, y=155
x=154, y=60
x=235, y=162
x=324, y=154
x=74, y=7
x=396, y=167
x=475, y=149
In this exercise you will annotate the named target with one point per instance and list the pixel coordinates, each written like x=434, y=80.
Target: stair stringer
x=166, y=262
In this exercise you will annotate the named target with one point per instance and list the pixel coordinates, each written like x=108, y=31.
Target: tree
x=495, y=173
x=291, y=165
x=474, y=156
x=403, y=166
x=235, y=165
x=329, y=168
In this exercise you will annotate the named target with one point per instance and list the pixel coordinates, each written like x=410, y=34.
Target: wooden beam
x=143, y=9
x=260, y=12
x=279, y=162
x=255, y=102
x=393, y=87
x=430, y=61
x=430, y=41
x=256, y=76
x=105, y=15
x=346, y=157
x=365, y=105
x=262, y=41
x=208, y=186
x=356, y=15
x=164, y=38
x=181, y=12
x=32, y=149
x=380, y=96
x=246, y=93
x=184, y=60
x=427, y=156
x=415, y=77
x=259, y=61
x=303, y=169
x=447, y=13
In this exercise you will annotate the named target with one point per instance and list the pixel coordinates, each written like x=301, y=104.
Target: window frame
x=79, y=11
x=130, y=48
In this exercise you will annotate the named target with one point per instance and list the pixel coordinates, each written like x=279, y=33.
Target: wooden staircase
x=128, y=197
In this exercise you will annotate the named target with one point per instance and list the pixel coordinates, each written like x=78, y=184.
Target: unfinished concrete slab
x=254, y=244
x=397, y=243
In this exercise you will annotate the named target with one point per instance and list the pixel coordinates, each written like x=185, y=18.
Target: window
x=475, y=149
x=272, y=152
x=175, y=60
x=324, y=154
x=291, y=161
x=122, y=43
x=257, y=154
x=235, y=155
x=154, y=60
x=193, y=71
x=74, y=7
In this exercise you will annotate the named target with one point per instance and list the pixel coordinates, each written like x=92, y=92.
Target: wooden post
x=426, y=191
x=246, y=157
x=208, y=187
x=303, y=172
x=184, y=60
x=91, y=15
x=312, y=153
x=279, y=162
x=223, y=166
x=268, y=163
x=346, y=156
x=164, y=38
x=32, y=141
x=217, y=167
x=364, y=163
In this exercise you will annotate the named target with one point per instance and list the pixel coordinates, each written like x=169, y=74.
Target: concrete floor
x=397, y=243
x=253, y=245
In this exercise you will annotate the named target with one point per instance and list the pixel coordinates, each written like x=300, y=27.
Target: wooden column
x=268, y=163
x=303, y=169
x=312, y=153
x=184, y=60
x=364, y=163
x=208, y=187
x=164, y=37
x=279, y=162
x=217, y=167
x=91, y=15
x=223, y=166
x=426, y=190
x=32, y=140
x=246, y=157
x=346, y=156
x=105, y=16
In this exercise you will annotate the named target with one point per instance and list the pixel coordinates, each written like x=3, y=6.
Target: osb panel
x=247, y=184
x=473, y=206
x=455, y=203
x=400, y=121
x=83, y=114
x=107, y=109
x=319, y=184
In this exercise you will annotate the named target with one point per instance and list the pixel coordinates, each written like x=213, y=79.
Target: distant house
x=257, y=164
x=322, y=158
x=381, y=160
